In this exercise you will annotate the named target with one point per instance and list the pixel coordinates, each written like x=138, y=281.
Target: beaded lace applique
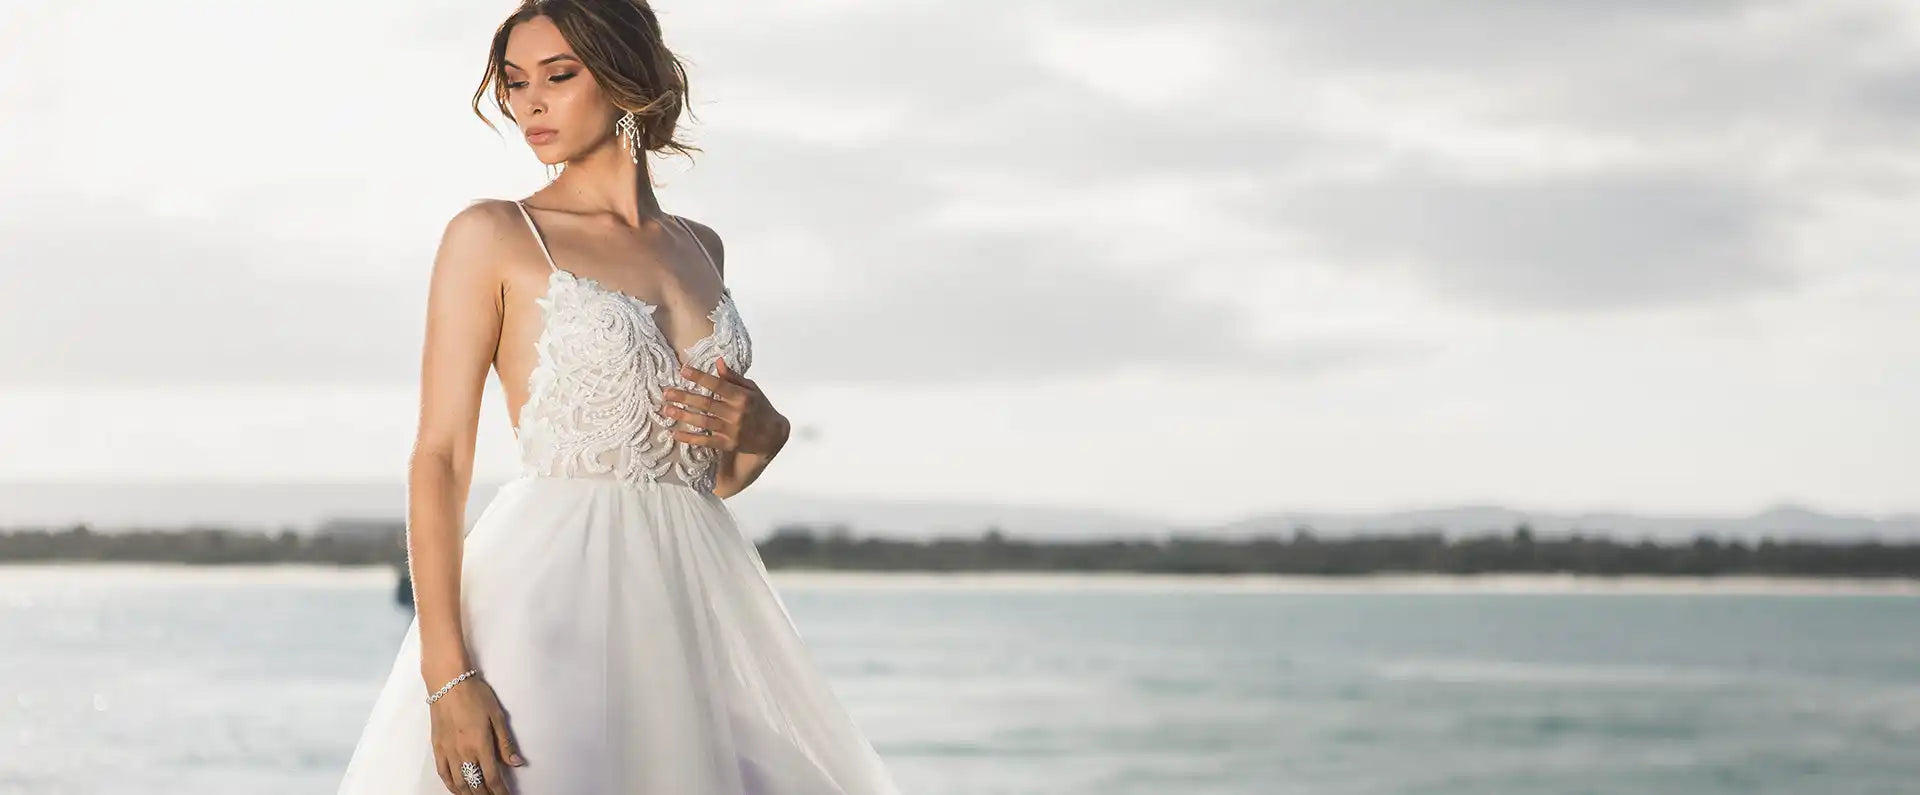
x=596, y=391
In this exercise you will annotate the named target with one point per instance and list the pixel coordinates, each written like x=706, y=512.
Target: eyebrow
x=544, y=61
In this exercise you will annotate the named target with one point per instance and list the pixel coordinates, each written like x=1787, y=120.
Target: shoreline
x=1397, y=583
x=148, y=573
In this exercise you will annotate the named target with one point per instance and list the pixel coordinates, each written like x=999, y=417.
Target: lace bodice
x=595, y=394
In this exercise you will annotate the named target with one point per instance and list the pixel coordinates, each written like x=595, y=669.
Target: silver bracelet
x=449, y=686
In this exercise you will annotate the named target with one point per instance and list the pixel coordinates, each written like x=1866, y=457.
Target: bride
x=604, y=626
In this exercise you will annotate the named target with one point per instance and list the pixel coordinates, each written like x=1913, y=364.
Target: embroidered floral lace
x=595, y=394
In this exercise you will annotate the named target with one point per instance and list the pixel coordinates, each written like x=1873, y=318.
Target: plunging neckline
x=647, y=310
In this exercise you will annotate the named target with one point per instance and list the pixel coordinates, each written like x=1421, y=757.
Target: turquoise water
x=115, y=680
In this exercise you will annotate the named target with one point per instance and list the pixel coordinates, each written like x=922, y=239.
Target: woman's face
x=561, y=112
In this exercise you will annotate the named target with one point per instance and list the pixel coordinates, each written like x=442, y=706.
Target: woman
x=604, y=626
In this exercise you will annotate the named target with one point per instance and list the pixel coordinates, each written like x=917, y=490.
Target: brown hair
x=620, y=43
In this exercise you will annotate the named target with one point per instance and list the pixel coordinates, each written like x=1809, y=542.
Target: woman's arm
x=739, y=469
x=464, y=313
x=736, y=469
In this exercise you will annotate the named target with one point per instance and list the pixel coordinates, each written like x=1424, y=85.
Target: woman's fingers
x=444, y=766
x=716, y=439
x=694, y=400
x=479, y=747
x=492, y=781
x=710, y=381
x=504, y=740
x=695, y=423
x=684, y=417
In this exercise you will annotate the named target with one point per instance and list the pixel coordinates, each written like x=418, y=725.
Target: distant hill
x=305, y=506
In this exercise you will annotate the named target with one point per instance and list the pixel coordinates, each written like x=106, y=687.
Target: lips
x=541, y=135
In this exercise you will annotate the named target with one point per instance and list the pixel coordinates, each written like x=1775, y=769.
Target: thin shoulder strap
x=697, y=241
x=536, y=234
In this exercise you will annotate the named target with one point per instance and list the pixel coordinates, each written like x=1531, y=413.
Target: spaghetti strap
x=701, y=244
x=536, y=235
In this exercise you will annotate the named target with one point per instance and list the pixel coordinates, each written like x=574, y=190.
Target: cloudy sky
x=1193, y=259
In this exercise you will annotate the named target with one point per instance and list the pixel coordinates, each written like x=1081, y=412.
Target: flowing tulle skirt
x=637, y=646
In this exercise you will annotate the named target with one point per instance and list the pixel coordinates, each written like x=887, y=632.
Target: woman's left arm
x=737, y=420
x=738, y=471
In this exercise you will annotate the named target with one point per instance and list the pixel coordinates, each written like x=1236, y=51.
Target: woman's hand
x=470, y=726
x=737, y=418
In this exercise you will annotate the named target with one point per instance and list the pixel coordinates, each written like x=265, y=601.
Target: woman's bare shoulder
x=479, y=240
x=485, y=215
x=484, y=225
x=711, y=239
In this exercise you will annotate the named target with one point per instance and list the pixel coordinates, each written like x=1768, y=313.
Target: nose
x=532, y=99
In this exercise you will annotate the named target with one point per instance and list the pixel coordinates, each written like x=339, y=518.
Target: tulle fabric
x=637, y=646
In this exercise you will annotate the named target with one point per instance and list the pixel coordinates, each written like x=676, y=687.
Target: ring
x=471, y=772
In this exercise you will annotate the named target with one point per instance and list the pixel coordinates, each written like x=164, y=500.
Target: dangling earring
x=629, y=126
x=553, y=171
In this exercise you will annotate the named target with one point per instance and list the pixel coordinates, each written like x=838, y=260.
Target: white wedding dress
x=608, y=597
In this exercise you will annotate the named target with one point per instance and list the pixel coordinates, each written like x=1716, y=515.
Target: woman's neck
x=607, y=181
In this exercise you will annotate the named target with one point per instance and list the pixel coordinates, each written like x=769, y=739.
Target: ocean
x=158, y=679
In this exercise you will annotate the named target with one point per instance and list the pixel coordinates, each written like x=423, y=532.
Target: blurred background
x=1251, y=396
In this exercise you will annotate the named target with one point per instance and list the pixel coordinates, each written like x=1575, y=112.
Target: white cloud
x=1226, y=256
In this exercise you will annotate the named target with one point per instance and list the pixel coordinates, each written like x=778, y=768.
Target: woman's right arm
x=464, y=312
x=465, y=307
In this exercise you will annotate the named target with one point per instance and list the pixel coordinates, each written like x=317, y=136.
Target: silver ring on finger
x=471, y=772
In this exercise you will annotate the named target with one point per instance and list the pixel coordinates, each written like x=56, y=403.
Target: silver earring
x=629, y=126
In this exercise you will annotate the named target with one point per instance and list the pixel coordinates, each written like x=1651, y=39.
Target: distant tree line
x=207, y=545
x=808, y=547
x=1304, y=553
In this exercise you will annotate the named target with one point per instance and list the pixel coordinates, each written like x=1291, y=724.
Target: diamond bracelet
x=449, y=686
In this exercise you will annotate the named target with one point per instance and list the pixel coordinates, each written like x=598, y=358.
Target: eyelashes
x=559, y=78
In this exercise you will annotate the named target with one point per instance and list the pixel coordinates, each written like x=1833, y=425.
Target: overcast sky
x=1194, y=259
